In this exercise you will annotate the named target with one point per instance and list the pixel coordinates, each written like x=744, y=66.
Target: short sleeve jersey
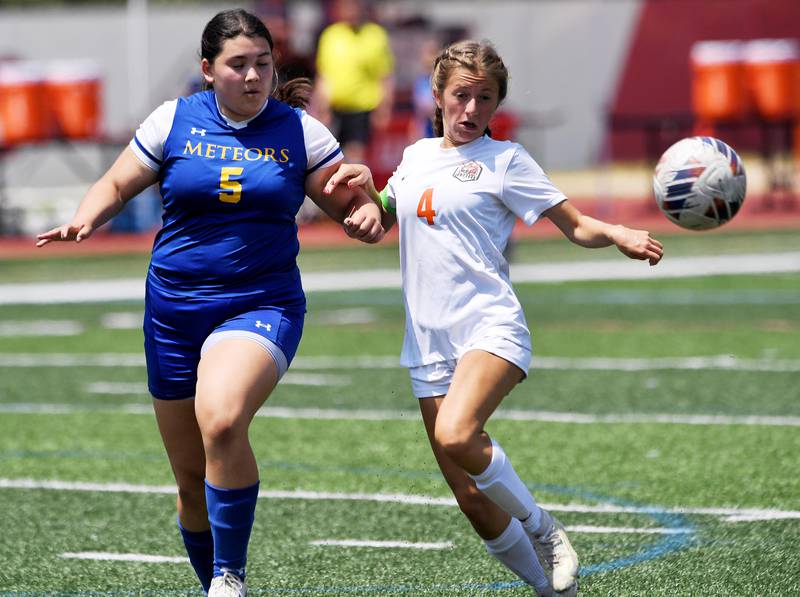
x=354, y=63
x=456, y=208
x=231, y=191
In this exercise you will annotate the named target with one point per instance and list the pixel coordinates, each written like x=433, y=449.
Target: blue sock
x=231, y=513
x=200, y=547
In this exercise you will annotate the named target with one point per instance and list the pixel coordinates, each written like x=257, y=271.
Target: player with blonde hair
x=455, y=199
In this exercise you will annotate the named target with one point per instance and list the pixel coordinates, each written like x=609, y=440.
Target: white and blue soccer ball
x=700, y=183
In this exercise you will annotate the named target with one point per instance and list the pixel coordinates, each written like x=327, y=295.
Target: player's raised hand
x=353, y=175
x=638, y=244
x=68, y=232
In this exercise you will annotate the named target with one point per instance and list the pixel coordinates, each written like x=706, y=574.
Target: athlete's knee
x=219, y=419
x=456, y=439
x=219, y=428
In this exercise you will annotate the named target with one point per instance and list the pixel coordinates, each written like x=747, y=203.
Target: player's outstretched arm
x=352, y=207
x=589, y=232
x=126, y=178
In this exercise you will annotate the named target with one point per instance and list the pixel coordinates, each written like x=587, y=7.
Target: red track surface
x=757, y=214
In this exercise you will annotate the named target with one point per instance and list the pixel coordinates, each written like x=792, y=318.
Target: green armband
x=384, y=195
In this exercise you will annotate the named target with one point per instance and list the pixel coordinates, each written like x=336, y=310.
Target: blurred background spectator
x=421, y=92
x=355, y=85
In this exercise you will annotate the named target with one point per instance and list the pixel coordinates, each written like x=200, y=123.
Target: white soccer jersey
x=456, y=208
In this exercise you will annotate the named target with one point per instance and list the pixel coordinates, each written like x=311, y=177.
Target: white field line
x=132, y=320
x=727, y=514
x=71, y=360
x=293, y=379
x=617, y=269
x=123, y=320
x=380, y=544
x=332, y=414
x=124, y=557
x=670, y=267
x=77, y=291
x=344, y=316
x=40, y=327
x=522, y=415
x=133, y=388
x=721, y=362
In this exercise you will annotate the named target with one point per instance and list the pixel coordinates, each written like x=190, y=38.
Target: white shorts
x=434, y=379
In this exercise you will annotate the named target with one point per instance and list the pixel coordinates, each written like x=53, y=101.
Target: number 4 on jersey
x=425, y=207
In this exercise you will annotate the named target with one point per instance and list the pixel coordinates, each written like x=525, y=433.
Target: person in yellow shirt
x=355, y=82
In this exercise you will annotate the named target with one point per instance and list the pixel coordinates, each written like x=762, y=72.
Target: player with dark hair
x=224, y=305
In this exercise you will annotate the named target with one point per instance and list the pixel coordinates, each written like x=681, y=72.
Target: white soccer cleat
x=227, y=585
x=558, y=559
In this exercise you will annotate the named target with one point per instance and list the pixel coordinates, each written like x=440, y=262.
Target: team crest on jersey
x=468, y=172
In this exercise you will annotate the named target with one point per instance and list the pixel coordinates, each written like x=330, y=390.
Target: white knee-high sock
x=501, y=484
x=515, y=551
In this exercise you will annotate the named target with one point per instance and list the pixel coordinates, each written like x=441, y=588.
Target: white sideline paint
x=344, y=316
x=670, y=267
x=522, y=415
x=133, y=388
x=293, y=379
x=124, y=320
x=380, y=544
x=82, y=291
x=76, y=291
x=331, y=414
x=71, y=360
x=40, y=327
x=723, y=362
x=124, y=557
x=727, y=514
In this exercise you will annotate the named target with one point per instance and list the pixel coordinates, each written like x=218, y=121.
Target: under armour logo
x=201, y=132
x=266, y=326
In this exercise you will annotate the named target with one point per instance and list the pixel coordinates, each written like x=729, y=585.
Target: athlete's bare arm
x=589, y=232
x=355, y=176
x=126, y=178
x=350, y=206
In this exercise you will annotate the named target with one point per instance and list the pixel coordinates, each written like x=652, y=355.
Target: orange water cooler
x=719, y=90
x=771, y=67
x=74, y=93
x=23, y=104
x=773, y=77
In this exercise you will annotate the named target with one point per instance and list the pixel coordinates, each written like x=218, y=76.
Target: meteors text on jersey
x=226, y=152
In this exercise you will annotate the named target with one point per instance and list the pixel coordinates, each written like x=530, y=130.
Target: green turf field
x=662, y=427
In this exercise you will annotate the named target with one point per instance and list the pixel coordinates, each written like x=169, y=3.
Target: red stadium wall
x=656, y=77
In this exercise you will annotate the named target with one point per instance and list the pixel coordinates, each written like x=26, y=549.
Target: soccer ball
x=699, y=183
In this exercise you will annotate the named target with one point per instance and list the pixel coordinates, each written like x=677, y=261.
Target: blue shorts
x=176, y=326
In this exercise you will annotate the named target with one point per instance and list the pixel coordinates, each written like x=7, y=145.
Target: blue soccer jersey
x=224, y=261
x=230, y=192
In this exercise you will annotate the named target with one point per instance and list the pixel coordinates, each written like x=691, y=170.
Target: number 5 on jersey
x=425, y=207
x=226, y=184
